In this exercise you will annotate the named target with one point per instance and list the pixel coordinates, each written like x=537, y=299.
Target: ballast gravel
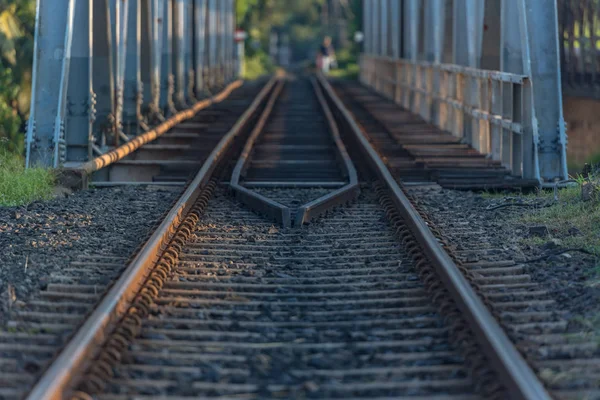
x=38, y=239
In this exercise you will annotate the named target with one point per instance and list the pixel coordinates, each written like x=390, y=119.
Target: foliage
x=17, y=19
x=19, y=185
x=257, y=66
x=568, y=218
x=303, y=22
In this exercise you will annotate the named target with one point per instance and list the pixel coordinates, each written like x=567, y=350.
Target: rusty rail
x=516, y=374
x=77, y=176
x=256, y=201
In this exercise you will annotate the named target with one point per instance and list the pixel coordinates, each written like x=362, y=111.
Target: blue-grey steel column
x=460, y=34
x=80, y=99
x=434, y=34
x=212, y=37
x=166, y=71
x=49, y=56
x=103, y=73
x=411, y=29
x=383, y=21
x=541, y=33
x=222, y=40
x=179, y=53
x=468, y=32
x=189, y=51
x=132, y=78
x=515, y=52
x=158, y=12
x=146, y=63
x=119, y=11
x=396, y=25
x=200, y=43
x=376, y=25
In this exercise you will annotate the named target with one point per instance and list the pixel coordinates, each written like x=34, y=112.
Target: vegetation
x=576, y=223
x=304, y=23
x=17, y=21
x=19, y=185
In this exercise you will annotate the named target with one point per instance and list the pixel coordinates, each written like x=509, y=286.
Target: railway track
x=361, y=302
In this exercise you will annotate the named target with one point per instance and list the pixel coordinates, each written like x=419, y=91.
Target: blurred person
x=326, y=56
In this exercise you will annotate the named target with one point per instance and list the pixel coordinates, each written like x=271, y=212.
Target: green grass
x=350, y=71
x=20, y=186
x=257, y=66
x=575, y=222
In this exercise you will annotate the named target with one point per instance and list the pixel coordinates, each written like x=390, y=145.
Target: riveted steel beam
x=200, y=43
x=539, y=30
x=132, y=74
x=52, y=56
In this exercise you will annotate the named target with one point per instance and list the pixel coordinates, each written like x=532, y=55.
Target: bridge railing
x=447, y=54
x=491, y=111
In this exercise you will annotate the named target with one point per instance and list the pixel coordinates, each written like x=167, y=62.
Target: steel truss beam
x=105, y=71
x=516, y=37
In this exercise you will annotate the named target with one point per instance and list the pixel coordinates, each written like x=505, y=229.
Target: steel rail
x=519, y=379
x=79, y=173
x=346, y=193
x=66, y=369
x=252, y=199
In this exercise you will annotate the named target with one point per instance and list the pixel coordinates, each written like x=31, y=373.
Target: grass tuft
x=20, y=186
x=575, y=222
x=568, y=218
x=350, y=71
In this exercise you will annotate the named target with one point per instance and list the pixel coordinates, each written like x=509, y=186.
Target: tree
x=17, y=21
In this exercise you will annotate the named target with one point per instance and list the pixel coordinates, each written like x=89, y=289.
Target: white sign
x=240, y=36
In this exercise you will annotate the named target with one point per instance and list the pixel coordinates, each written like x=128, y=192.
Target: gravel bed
x=311, y=312
x=568, y=277
x=38, y=239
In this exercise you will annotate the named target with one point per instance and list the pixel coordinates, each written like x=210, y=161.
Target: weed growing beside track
x=20, y=186
x=574, y=222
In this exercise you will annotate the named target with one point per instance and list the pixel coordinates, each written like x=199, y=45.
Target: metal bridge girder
x=200, y=37
x=515, y=116
x=105, y=69
x=52, y=56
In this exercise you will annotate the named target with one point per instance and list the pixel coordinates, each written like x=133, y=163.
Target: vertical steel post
x=146, y=62
x=189, y=51
x=468, y=32
x=103, y=71
x=131, y=87
x=434, y=32
x=514, y=53
x=179, y=53
x=200, y=47
x=158, y=12
x=120, y=11
x=383, y=23
x=490, y=48
x=222, y=40
x=376, y=27
x=50, y=53
x=166, y=71
x=411, y=29
x=540, y=27
x=80, y=98
x=396, y=25
x=212, y=37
